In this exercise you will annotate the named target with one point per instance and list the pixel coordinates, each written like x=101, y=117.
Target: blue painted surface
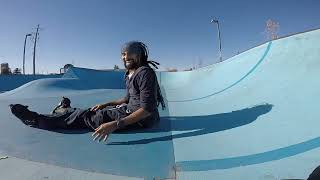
x=283, y=142
x=76, y=149
x=10, y=82
x=284, y=152
x=233, y=84
x=96, y=79
x=253, y=116
x=201, y=125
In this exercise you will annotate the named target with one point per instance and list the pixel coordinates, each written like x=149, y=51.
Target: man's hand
x=98, y=107
x=104, y=130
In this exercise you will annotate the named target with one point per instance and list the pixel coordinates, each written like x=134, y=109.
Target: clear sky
x=178, y=32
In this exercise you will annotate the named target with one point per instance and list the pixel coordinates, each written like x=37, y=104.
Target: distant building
x=16, y=71
x=65, y=68
x=5, y=68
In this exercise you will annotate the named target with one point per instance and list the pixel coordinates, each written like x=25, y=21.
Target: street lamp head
x=214, y=21
x=29, y=35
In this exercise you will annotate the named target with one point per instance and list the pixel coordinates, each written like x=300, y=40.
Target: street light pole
x=219, y=36
x=24, y=52
x=34, y=51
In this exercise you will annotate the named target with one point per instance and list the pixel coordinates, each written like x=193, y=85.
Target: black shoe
x=65, y=102
x=22, y=112
x=63, y=106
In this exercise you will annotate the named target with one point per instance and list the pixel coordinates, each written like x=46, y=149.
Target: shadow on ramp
x=200, y=125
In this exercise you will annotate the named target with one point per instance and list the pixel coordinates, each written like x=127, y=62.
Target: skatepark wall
x=97, y=79
x=10, y=82
x=261, y=108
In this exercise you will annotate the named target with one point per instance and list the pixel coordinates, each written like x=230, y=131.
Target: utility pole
x=219, y=36
x=24, y=52
x=34, y=50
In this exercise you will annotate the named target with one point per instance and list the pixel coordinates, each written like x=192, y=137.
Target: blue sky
x=178, y=32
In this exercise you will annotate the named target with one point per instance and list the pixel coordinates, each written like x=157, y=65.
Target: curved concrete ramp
x=253, y=116
x=10, y=82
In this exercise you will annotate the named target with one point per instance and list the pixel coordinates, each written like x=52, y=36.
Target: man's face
x=129, y=60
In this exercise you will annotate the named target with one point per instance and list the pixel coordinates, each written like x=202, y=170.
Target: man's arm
x=136, y=116
x=112, y=103
x=103, y=131
x=117, y=102
x=148, y=104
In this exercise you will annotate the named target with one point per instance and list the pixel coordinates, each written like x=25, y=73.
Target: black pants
x=84, y=118
x=315, y=175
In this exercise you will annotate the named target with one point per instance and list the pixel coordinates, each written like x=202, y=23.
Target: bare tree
x=272, y=28
x=116, y=67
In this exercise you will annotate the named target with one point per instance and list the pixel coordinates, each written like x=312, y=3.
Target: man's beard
x=130, y=65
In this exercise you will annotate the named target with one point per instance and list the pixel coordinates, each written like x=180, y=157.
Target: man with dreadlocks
x=138, y=109
x=139, y=106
